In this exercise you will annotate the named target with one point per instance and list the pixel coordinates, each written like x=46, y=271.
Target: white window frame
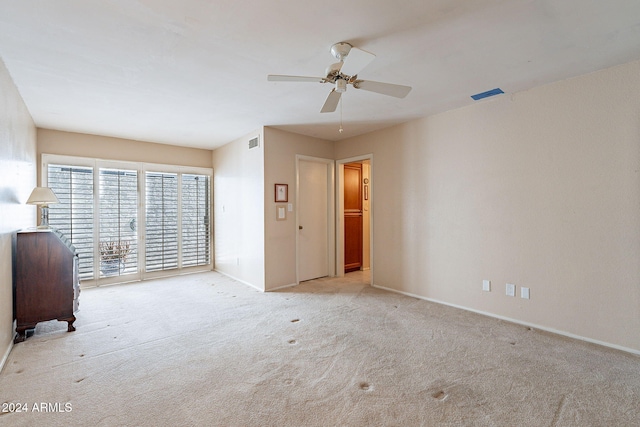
x=142, y=169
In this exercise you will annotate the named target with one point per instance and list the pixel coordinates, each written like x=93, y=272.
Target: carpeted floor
x=205, y=350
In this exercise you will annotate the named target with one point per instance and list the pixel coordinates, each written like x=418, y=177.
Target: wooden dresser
x=45, y=285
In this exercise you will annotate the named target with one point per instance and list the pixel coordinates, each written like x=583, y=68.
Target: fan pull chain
x=340, y=130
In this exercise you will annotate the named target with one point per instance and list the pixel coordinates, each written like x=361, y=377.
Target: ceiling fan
x=351, y=61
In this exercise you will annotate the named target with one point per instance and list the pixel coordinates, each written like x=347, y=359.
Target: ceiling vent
x=492, y=92
x=254, y=142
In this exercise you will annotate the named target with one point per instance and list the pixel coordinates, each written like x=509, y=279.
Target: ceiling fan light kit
x=352, y=61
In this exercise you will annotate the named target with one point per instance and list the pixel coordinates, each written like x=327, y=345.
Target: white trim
x=291, y=285
x=90, y=161
x=251, y=285
x=339, y=219
x=5, y=357
x=516, y=321
x=160, y=274
x=188, y=270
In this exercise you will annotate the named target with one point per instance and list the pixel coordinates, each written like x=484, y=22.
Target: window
x=73, y=216
x=146, y=219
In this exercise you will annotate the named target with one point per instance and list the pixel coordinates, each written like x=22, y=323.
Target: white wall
x=17, y=179
x=540, y=189
x=238, y=203
x=281, y=149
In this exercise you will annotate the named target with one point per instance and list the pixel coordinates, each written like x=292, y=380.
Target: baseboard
x=6, y=355
x=239, y=280
x=518, y=322
x=253, y=286
x=281, y=287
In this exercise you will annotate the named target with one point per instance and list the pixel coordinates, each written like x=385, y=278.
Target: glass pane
x=118, y=217
x=73, y=216
x=161, y=217
x=195, y=220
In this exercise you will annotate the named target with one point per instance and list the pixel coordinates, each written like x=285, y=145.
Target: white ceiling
x=193, y=72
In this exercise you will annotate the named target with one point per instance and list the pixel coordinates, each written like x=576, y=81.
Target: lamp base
x=44, y=217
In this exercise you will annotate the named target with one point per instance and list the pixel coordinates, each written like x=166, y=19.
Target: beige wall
x=281, y=149
x=17, y=179
x=108, y=148
x=238, y=202
x=540, y=189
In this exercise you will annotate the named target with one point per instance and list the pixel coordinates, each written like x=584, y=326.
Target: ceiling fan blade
x=355, y=61
x=331, y=103
x=281, y=78
x=398, y=91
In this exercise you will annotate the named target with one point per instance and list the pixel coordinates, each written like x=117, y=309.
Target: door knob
x=299, y=227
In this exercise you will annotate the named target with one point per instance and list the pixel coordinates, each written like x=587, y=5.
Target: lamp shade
x=42, y=196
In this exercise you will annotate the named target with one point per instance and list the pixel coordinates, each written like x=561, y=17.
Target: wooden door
x=352, y=217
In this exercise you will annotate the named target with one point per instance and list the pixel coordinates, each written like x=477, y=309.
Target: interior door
x=352, y=217
x=313, y=258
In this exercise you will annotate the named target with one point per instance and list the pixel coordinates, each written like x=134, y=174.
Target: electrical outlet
x=524, y=293
x=486, y=285
x=511, y=290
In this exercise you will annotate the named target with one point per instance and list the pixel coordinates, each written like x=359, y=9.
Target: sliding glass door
x=177, y=220
x=129, y=221
x=118, y=239
x=196, y=224
x=74, y=215
x=161, y=221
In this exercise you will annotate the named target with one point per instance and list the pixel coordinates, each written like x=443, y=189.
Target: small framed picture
x=282, y=193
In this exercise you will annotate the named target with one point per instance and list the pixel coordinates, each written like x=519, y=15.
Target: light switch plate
x=486, y=285
x=511, y=290
x=524, y=293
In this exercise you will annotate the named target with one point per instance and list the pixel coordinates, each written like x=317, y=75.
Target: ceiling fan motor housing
x=340, y=50
x=333, y=70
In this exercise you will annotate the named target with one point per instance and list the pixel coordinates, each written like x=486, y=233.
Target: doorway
x=354, y=216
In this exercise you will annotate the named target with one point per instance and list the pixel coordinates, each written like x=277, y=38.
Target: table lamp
x=43, y=197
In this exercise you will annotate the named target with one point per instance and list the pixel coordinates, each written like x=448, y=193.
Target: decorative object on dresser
x=43, y=197
x=45, y=285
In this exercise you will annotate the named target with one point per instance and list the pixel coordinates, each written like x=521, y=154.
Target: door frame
x=340, y=212
x=331, y=223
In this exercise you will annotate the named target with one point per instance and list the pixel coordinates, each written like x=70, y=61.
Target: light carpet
x=205, y=350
